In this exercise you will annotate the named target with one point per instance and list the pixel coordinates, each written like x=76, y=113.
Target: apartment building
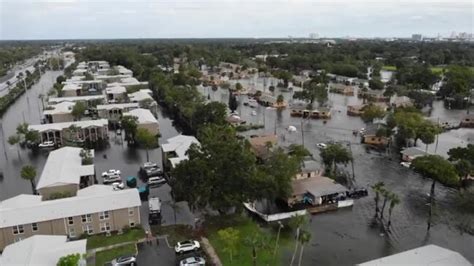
x=114, y=112
x=174, y=151
x=57, y=113
x=64, y=172
x=95, y=209
x=145, y=119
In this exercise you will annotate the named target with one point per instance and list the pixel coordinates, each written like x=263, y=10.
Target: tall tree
x=78, y=110
x=146, y=139
x=304, y=239
x=28, y=173
x=394, y=201
x=130, y=125
x=335, y=154
x=315, y=89
x=15, y=140
x=232, y=102
x=297, y=222
x=377, y=188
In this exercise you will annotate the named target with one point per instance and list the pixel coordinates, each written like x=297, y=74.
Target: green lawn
x=435, y=70
x=96, y=241
x=247, y=228
x=389, y=68
x=105, y=256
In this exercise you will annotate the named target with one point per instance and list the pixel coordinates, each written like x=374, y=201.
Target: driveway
x=156, y=254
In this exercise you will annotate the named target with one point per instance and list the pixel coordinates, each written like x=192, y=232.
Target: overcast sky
x=71, y=19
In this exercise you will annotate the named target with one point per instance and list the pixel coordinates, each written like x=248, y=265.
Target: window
x=131, y=223
x=130, y=211
x=70, y=220
x=88, y=229
x=104, y=215
x=18, y=229
x=87, y=218
x=34, y=227
x=105, y=227
x=72, y=232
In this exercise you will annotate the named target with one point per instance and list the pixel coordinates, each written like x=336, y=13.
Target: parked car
x=46, y=144
x=321, y=145
x=150, y=169
x=111, y=172
x=192, y=261
x=112, y=179
x=187, y=246
x=406, y=164
x=156, y=181
x=124, y=260
x=149, y=165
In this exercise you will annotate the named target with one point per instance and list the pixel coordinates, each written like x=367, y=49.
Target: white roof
x=72, y=86
x=76, y=98
x=60, y=108
x=144, y=116
x=78, y=71
x=117, y=106
x=124, y=71
x=101, y=77
x=430, y=255
x=115, y=90
x=27, y=209
x=61, y=126
x=41, y=250
x=140, y=95
x=64, y=166
x=180, y=145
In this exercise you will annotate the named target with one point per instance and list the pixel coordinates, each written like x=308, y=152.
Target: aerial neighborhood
x=309, y=151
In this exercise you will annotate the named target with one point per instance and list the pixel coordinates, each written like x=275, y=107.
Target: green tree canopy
x=78, y=110
x=371, y=112
x=69, y=260
x=129, y=124
x=436, y=168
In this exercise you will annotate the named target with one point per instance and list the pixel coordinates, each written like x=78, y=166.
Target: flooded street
x=344, y=237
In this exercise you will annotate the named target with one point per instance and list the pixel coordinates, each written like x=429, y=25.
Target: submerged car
x=46, y=144
x=118, y=185
x=112, y=179
x=156, y=181
x=111, y=172
x=192, y=261
x=124, y=260
x=187, y=246
x=321, y=145
x=405, y=164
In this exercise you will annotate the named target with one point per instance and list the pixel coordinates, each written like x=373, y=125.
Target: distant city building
x=313, y=35
x=417, y=37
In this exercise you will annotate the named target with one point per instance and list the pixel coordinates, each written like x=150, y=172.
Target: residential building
x=95, y=209
x=57, y=113
x=77, y=131
x=301, y=111
x=70, y=90
x=355, y=110
x=422, y=256
x=315, y=190
x=124, y=71
x=145, y=120
x=370, y=137
x=262, y=145
x=115, y=94
x=41, y=250
x=143, y=98
x=175, y=150
x=409, y=154
x=310, y=168
x=341, y=89
x=373, y=95
x=64, y=173
x=89, y=99
x=400, y=101
x=114, y=112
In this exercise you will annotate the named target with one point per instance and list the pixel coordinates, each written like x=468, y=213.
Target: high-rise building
x=417, y=37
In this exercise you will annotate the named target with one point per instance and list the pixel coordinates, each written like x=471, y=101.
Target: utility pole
x=437, y=138
x=302, y=133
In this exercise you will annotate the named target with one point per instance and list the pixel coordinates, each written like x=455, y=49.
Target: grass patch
x=389, y=68
x=105, y=256
x=175, y=233
x=96, y=241
x=247, y=228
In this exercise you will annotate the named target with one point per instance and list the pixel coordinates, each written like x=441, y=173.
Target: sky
x=109, y=19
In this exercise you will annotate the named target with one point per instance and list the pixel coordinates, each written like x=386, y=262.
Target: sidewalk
x=210, y=252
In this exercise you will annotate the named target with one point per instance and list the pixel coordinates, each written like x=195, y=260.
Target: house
x=409, y=154
x=77, y=131
x=115, y=94
x=57, y=113
x=373, y=95
x=79, y=72
x=70, y=90
x=355, y=110
x=314, y=190
x=174, y=151
x=261, y=145
x=64, y=173
x=370, y=137
x=467, y=121
x=89, y=99
x=144, y=98
x=124, y=71
x=400, y=101
x=310, y=168
x=301, y=111
x=145, y=119
x=95, y=209
x=267, y=100
x=341, y=89
x=114, y=112
x=422, y=256
x=41, y=250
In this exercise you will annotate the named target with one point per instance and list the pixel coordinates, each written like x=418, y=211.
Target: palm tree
x=28, y=172
x=377, y=189
x=297, y=222
x=15, y=140
x=256, y=240
x=386, y=196
x=304, y=239
x=394, y=201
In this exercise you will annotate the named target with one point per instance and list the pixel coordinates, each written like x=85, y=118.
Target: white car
x=118, y=186
x=156, y=181
x=187, y=246
x=192, y=261
x=110, y=173
x=405, y=164
x=321, y=145
x=46, y=144
x=112, y=179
